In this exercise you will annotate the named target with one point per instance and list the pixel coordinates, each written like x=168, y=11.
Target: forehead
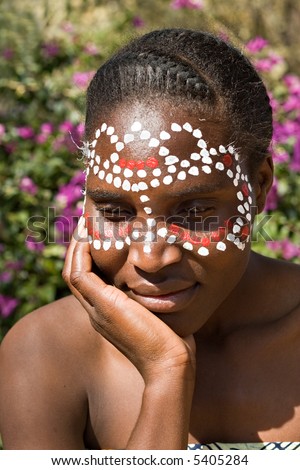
x=137, y=147
x=160, y=117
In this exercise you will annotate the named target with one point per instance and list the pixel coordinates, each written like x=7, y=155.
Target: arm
x=165, y=361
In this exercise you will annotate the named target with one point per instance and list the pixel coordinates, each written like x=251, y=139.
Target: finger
x=78, y=234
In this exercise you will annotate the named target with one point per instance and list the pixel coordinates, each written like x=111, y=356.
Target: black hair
x=193, y=68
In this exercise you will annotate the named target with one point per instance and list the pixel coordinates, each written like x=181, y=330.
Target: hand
x=142, y=337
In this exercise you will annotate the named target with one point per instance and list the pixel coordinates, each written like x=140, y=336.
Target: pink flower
x=138, y=22
x=268, y=63
x=293, y=83
x=33, y=245
x=71, y=192
x=190, y=4
x=7, y=305
x=67, y=27
x=25, y=132
x=272, y=198
x=8, y=53
x=256, y=44
x=28, y=186
x=282, y=131
x=280, y=156
x=47, y=128
x=80, y=130
x=295, y=165
x=2, y=131
x=82, y=79
x=275, y=105
x=66, y=127
x=5, y=277
x=91, y=49
x=50, y=49
x=287, y=249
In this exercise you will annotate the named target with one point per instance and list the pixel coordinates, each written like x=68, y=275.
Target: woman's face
x=168, y=211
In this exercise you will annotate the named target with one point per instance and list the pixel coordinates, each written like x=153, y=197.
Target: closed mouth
x=170, y=300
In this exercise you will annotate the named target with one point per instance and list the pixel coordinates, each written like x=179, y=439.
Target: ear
x=263, y=182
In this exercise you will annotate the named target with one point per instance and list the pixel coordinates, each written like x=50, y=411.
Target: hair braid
x=194, y=68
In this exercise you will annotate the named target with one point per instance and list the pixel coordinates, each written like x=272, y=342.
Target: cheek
x=109, y=261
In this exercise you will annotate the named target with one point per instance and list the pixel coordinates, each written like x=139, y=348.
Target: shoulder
x=279, y=279
x=44, y=336
x=45, y=366
x=278, y=285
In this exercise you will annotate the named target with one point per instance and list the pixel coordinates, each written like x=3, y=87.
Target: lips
x=165, y=298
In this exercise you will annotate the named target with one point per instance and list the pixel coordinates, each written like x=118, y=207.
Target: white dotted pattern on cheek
x=223, y=159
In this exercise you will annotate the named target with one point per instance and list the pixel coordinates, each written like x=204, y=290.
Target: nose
x=152, y=256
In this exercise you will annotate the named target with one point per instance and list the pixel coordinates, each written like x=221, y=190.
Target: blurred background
x=49, y=50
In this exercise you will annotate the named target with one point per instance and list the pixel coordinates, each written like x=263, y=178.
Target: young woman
x=176, y=333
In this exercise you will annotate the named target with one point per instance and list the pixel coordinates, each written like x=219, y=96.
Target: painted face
x=156, y=184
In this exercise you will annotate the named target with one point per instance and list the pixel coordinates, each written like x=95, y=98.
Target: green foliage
x=48, y=54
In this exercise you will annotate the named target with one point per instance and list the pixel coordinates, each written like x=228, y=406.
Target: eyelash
x=112, y=214
x=117, y=216
x=196, y=210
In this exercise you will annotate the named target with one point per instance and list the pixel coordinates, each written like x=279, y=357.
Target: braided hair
x=191, y=68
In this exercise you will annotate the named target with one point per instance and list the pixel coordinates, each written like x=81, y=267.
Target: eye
x=114, y=214
x=193, y=216
x=199, y=209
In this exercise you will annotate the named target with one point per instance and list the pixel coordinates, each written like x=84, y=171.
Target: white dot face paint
x=117, y=182
x=163, y=151
x=156, y=172
x=126, y=185
x=168, y=179
x=172, y=169
x=145, y=135
x=176, y=127
x=153, y=142
x=197, y=133
x=155, y=183
x=187, y=127
x=128, y=138
x=119, y=146
x=206, y=169
x=114, y=139
x=119, y=244
x=128, y=173
x=114, y=157
x=171, y=159
x=164, y=135
x=194, y=170
x=161, y=168
x=110, y=130
x=136, y=126
x=181, y=175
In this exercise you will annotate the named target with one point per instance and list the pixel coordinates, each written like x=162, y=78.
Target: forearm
x=164, y=418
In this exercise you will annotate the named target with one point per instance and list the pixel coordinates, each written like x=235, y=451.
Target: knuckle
x=75, y=279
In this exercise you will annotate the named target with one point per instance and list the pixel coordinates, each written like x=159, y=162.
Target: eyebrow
x=201, y=189
x=104, y=195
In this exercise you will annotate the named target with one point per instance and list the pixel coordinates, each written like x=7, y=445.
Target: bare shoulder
x=278, y=283
x=63, y=323
x=283, y=276
x=44, y=364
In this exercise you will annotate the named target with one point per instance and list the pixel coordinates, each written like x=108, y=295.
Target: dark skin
x=98, y=369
